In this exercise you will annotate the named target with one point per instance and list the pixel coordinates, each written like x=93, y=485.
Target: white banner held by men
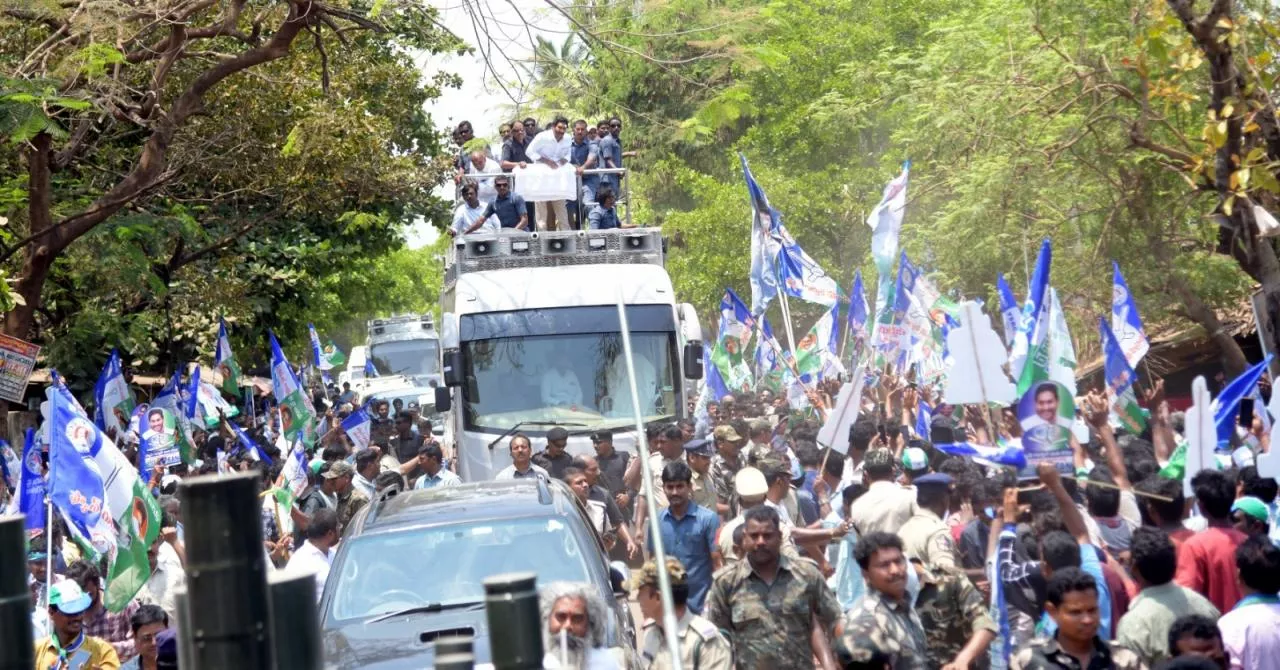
x=539, y=183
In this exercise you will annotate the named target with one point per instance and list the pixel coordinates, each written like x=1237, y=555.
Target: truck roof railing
x=402, y=322
x=622, y=196
x=519, y=249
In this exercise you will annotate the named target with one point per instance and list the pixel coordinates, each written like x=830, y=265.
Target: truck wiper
x=516, y=427
x=429, y=607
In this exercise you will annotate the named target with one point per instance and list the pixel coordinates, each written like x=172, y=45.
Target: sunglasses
x=501, y=186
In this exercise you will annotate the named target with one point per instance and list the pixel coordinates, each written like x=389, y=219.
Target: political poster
x=160, y=436
x=17, y=362
x=1046, y=412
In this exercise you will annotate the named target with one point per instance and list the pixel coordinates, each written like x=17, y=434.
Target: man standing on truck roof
x=508, y=207
x=553, y=459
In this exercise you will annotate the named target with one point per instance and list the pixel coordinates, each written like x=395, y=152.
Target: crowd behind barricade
x=885, y=552
x=487, y=197
x=785, y=554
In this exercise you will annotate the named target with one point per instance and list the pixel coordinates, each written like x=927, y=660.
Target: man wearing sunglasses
x=508, y=207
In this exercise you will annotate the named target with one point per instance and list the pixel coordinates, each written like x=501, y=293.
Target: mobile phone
x=1246, y=413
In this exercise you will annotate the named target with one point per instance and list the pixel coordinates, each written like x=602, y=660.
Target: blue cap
x=699, y=447
x=934, y=478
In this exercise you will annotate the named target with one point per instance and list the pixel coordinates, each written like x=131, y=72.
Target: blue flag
x=803, y=278
x=1120, y=378
x=370, y=371
x=766, y=350
x=75, y=483
x=715, y=383
x=858, y=308
x=31, y=485
x=1228, y=401
x=764, y=247
x=1000, y=455
x=1125, y=322
x=193, y=393
x=357, y=426
x=113, y=400
x=1009, y=311
x=924, y=418
x=1033, y=328
x=249, y=445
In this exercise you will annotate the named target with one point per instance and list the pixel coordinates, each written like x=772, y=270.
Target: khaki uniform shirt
x=702, y=647
x=926, y=537
x=704, y=491
x=885, y=507
x=768, y=624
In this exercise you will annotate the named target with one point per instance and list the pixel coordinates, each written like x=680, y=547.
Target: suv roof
x=464, y=503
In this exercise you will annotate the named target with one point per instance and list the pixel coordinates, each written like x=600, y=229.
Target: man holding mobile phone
x=68, y=648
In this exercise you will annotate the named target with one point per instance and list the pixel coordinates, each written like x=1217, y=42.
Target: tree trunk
x=1233, y=358
x=39, y=257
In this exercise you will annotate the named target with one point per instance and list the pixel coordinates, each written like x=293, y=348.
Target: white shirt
x=308, y=559
x=368, y=488
x=782, y=512
x=509, y=472
x=545, y=145
x=465, y=216
x=485, y=190
x=561, y=388
x=166, y=580
x=442, y=478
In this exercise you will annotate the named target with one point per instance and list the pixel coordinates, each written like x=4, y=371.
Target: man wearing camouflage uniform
x=768, y=602
x=724, y=465
x=957, y=626
x=883, y=623
x=702, y=647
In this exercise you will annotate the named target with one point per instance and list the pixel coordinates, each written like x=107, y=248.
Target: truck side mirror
x=452, y=367
x=442, y=399
x=693, y=360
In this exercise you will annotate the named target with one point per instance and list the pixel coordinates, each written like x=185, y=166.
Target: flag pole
x=48, y=503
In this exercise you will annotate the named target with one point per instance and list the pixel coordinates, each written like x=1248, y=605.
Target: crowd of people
x=487, y=197
x=783, y=554
x=888, y=553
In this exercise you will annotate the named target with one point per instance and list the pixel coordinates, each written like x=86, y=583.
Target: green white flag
x=298, y=417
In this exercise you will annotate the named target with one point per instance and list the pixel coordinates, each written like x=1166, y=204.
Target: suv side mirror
x=451, y=367
x=442, y=399
x=693, y=360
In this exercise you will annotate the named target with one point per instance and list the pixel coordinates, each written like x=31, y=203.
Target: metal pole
x=183, y=625
x=655, y=530
x=295, y=623
x=17, y=651
x=226, y=574
x=515, y=624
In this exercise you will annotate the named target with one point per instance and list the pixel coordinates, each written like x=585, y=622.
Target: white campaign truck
x=405, y=352
x=531, y=340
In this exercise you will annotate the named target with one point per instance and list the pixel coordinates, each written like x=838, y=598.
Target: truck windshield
x=407, y=357
x=575, y=378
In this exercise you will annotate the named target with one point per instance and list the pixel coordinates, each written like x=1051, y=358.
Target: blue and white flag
x=112, y=399
x=1033, y=329
x=370, y=371
x=764, y=247
x=76, y=483
x=297, y=415
x=256, y=452
x=10, y=467
x=886, y=221
x=357, y=426
x=803, y=278
x=715, y=382
x=31, y=484
x=1009, y=310
x=858, y=309
x=1007, y=455
x=924, y=419
x=192, y=395
x=1227, y=403
x=318, y=358
x=1125, y=321
x=1119, y=379
x=767, y=348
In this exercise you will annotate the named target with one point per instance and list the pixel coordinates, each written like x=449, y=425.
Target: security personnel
x=925, y=536
x=698, y=454
x=702, y=647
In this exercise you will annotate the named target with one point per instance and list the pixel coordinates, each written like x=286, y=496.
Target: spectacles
x=615, y=125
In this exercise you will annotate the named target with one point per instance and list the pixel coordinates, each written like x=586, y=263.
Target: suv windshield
x=407, y=357
x=376, y=579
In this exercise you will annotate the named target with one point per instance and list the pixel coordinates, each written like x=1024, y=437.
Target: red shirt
x=1207, y=565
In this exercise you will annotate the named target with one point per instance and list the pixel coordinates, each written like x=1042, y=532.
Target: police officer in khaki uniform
x=925, y=536
x=698, y=454
x=702, y=647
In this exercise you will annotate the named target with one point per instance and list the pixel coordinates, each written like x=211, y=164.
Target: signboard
x=17, y=362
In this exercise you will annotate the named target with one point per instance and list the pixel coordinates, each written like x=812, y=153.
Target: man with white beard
x=575, y=633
